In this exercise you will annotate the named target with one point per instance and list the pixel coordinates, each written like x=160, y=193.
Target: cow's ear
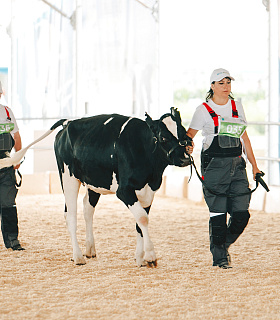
x=150, y=122
x=176, y=114
x=148, y=119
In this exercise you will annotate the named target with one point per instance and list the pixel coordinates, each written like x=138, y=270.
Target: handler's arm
x=17, y=145
x=250, y=154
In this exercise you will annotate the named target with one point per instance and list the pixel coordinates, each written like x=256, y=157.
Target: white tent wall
x=109, y=46
x=119, y=57
x=43, y=46
x=273, y=134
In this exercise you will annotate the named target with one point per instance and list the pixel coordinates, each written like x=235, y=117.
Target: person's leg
x=217, y=234
x=5, y=234
x=238, y=206
x=9, y=227
x=9, y=219
x=236, y=225
x=217, y=181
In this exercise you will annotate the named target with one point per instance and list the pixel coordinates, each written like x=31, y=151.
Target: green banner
x=6, y=127
x=230, y=129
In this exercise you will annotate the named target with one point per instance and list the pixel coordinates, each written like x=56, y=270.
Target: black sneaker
x=223, y=264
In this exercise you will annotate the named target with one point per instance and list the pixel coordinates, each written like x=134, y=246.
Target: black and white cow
x=117, y=154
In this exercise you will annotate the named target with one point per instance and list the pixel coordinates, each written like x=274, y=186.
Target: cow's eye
x=163, y=139
x=183, y=143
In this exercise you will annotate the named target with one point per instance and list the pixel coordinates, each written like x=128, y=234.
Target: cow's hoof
x=91, y=256
x=142, y=264
x=150, y=256
x=140, y=261
x=79, y=261
x=152, y=264
x=149, y=264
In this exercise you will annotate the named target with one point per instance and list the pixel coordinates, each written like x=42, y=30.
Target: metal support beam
x=14, y=66
x=273, y=112
x=56, y=9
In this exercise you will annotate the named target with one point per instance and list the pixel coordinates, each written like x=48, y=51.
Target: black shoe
x=18, y=247
x=225, y=266
x=222, y=264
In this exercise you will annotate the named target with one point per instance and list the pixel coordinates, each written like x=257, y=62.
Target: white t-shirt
x=202, y=119
x=4, y=118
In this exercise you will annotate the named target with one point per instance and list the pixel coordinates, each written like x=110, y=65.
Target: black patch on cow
x=93, y=197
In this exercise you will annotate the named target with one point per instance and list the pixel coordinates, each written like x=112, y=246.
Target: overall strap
x=234, y=111
x=8, y=113
x=214, y=117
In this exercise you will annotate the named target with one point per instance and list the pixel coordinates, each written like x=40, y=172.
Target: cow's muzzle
x=184, y=160
x=187, y=161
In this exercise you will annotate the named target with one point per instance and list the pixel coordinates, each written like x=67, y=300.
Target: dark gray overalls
x=224, y=172
x=8, y=191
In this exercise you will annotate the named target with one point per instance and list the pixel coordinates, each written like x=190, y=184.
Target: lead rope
x=18, y=184
x=259, y=180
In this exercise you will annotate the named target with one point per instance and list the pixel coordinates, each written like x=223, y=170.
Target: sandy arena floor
x=42, y=282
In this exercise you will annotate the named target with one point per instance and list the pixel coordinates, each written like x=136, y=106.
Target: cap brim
x=219, y=79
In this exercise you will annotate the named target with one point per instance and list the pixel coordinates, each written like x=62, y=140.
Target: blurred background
x=75, y=58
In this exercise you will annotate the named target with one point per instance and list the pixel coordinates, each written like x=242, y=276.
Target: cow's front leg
x=90, y=201
x=71, y=188
x=142, y=220
x=128, y=196
x=139, y=253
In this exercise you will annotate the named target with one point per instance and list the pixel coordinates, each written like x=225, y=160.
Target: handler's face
x=222, y=88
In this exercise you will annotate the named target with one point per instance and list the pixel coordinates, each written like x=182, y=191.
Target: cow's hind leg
x=71, y=188
x=90, y=201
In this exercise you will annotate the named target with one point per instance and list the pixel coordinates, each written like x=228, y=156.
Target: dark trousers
x=221, y=176
x=8, y=210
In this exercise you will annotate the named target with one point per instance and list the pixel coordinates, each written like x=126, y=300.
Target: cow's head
x=171, y=137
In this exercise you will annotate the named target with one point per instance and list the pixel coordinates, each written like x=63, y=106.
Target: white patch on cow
x=124, y=125
x=107, y=121
x=171, y=126
x=145, y=196
x=113, y=187
x=139, y=252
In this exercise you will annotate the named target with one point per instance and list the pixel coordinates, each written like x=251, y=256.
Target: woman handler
x=9, y=139
x=223, y=124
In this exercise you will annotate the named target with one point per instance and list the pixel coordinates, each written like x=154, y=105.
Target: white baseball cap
x=219, y=74
x=1, y=90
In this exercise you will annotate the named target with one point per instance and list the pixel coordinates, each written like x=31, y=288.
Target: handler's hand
x=255, y=171
x=189, y=149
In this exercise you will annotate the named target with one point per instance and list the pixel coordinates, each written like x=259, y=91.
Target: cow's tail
x=15, y=159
